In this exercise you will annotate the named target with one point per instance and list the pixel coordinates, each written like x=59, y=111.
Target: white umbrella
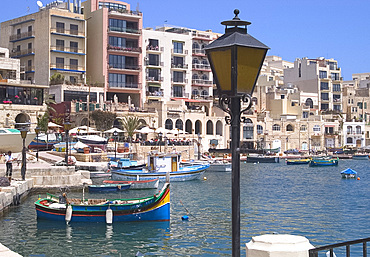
x=112, y=130
x=175, y=131
x=162, y=130
x=53, y=125
x=145, y=130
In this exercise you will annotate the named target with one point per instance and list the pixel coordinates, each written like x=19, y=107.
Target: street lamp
x=37, y=130
x=115, y=134
x=160, y=135
x=67, y=127
x=199, y=138
x=24, y=131
x=236, y=59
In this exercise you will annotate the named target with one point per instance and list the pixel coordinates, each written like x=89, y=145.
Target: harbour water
x=314, y=202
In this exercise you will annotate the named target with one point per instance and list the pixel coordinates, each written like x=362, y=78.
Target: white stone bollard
x=278, y=246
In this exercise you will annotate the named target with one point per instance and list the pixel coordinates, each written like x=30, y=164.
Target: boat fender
x=109, y=216
x=358, y=178
x=185, y=217
x=68, y=214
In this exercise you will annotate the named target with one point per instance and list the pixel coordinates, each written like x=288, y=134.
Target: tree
x=56, y=79
x=103, y=120
x=130, y=124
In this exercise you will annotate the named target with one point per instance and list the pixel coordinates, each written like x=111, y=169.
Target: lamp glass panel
x=249, y=62
x=24, y=133
x=221, y=62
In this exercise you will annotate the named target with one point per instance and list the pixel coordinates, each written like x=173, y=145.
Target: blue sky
x=291, y=28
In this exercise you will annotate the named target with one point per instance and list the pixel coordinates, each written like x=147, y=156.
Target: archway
x=189, y=126
x=209, y=128
x=179, y=124
x=219, y=128
x=309, y=102
x=168, y=124
x=198, y=127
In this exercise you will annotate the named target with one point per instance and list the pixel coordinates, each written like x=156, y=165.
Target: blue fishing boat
x=108, y=188
x=324, y=161
x=152, y=208
x=125, y=163
x=359, y=156
x=349, y=173
x=298, y=161
x=158, y=165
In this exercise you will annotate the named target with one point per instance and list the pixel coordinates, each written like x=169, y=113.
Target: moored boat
x=324, y=161
x=358, y=156
x=262, y=159
x=152, y=208
x=158, y=165
x=220, y=166
x=298, y=161
x=134, y=184
x=349, y=173
x=108, y=188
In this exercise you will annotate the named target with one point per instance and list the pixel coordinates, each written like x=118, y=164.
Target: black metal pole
x=37, y=145
x=66, y=157
x=115, y=148
x=23, y=170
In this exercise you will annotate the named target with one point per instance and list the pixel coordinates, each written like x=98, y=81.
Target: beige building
x=49, y=41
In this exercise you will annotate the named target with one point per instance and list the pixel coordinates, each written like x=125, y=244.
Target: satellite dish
x=39, y=3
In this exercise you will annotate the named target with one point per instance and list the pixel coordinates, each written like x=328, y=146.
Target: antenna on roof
x=39, y=4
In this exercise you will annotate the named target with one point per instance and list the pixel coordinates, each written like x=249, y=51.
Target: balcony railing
x=184, y=52
x=71, y=32
x=125, y=85
x=179, y=66
x=22, y=52
x=201, y=82
x=159, y=64
x=154, y=48
x=202, y=97
x=124, y=30
x=22, y=36
x=315, y=251
x=122, y=11
x=125, y=49
x=182, y=81
x=66, y=67
x=155, y=93
x=198, y=66
x=155, y=79
x=123, y=67
x=67, y=49
x=199, y=52
x=181, y=95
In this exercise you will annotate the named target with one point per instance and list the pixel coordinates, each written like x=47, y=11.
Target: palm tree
x=130, y=124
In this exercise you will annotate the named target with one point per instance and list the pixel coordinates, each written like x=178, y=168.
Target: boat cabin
x=159, y=162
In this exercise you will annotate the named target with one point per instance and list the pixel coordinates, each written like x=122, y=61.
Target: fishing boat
x=359, y=156
x=298, y=161
x=349, y=173
x=134, y=184
x=44, y=142
x=258, y=158
x=219, y=165
x=158, y=165
x=125, y=163
x=152, y=208
x=108, y=188
x=11, y=140
x=324, y=161
x=92, y=139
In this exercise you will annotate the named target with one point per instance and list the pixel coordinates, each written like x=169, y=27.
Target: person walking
x=9, y=164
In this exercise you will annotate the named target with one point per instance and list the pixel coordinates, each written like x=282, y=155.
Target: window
x=60, y=45
x=316, y=128
x=117, y=61
x=323, y=74
x=248, y=132
x=179, y=124
x=336, y=98
x=282, y=96
x=359, y=104
x=112, y=6
x=73, y=79
x=117, y=25
x=168, y=124
x=73, y=63
x=117, y=80
x=333, y=65
x=153, y=74
x=358, y=129
x=305, y=115
x=178, y=47
x=289, y=127
x=153, y=59
x=178, y=76
x=73, y=29
x=178, y=62
x=29, y=46
x=59, y=62
x=29, y=28
x=329, y=130
x=259, y=129
x=336, y=107
x=153, y=44
x=336, y=88
x=324, y=106
x=117, y=41
x=60, y=27
x=18, y=31
x=349, y=140
x=303, y=128
x=177, y=91
x=324, y=85
x=73, y=46
x=325, y=96
x=334, y=76
x=276, y=127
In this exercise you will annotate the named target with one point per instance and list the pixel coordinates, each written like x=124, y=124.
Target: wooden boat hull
x=154, y=208
x=324, y=162
x=220, y=167
x=360, y=157
x=108, y=188
x=263, y=159
x=141, y=184
x=297, y=162
x=184, y=174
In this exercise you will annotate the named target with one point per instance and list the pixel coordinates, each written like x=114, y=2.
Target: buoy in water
x=109, y=216
x=185, y=217
x=205, y=178
x=358, y=178
x=68, y=214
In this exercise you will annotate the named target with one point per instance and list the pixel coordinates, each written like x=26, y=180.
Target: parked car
x=292, y=151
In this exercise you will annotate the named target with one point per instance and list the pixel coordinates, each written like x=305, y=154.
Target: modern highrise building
x=49, y=41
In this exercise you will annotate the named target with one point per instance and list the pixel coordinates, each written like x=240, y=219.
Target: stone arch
x=204, y=76
x=195, y=76
x=143, y=123
x=189, y=126
x=196, y=45
x=168, y=124
x=179, y=124
x=198, y=127
x=219, y=128
x=289, y=127
x=209, y=128
x=309, y=102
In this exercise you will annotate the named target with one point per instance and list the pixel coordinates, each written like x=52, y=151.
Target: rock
x=4, y=182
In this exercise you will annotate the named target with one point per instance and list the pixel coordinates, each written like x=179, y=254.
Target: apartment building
x=114, y=49
x=49, y=41
x=321, y=76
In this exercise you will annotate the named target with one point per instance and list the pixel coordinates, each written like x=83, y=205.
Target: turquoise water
x=314, y=202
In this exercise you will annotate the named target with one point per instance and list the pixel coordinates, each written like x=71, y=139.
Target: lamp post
x=115, y=134
x=37, y=130
x=67, y=127
x=24, y=131
x=160, y=135
x=236, y=59
x=199, y=138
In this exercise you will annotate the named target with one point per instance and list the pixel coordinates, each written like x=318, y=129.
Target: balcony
x=179, y=81
x=22, y=36
x=201, y=36
x=119, y=66
x=125, y=85
x=28, y=69
x=154, y=79
x=125, y=30
x=17, y=54
x=158, y=64
x=125, y=12
x=179, y=66
x=202, y=67
x=124, y=49
x=71, y=50
x=199, y=52
x=178, y=52
x=60, y=66
x=154, y=49
x=154, y=94
x=67, y=32
x=201, y=82
x=180, y=95
x=202, y=97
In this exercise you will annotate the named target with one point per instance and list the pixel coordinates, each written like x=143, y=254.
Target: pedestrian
x=9, y=164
